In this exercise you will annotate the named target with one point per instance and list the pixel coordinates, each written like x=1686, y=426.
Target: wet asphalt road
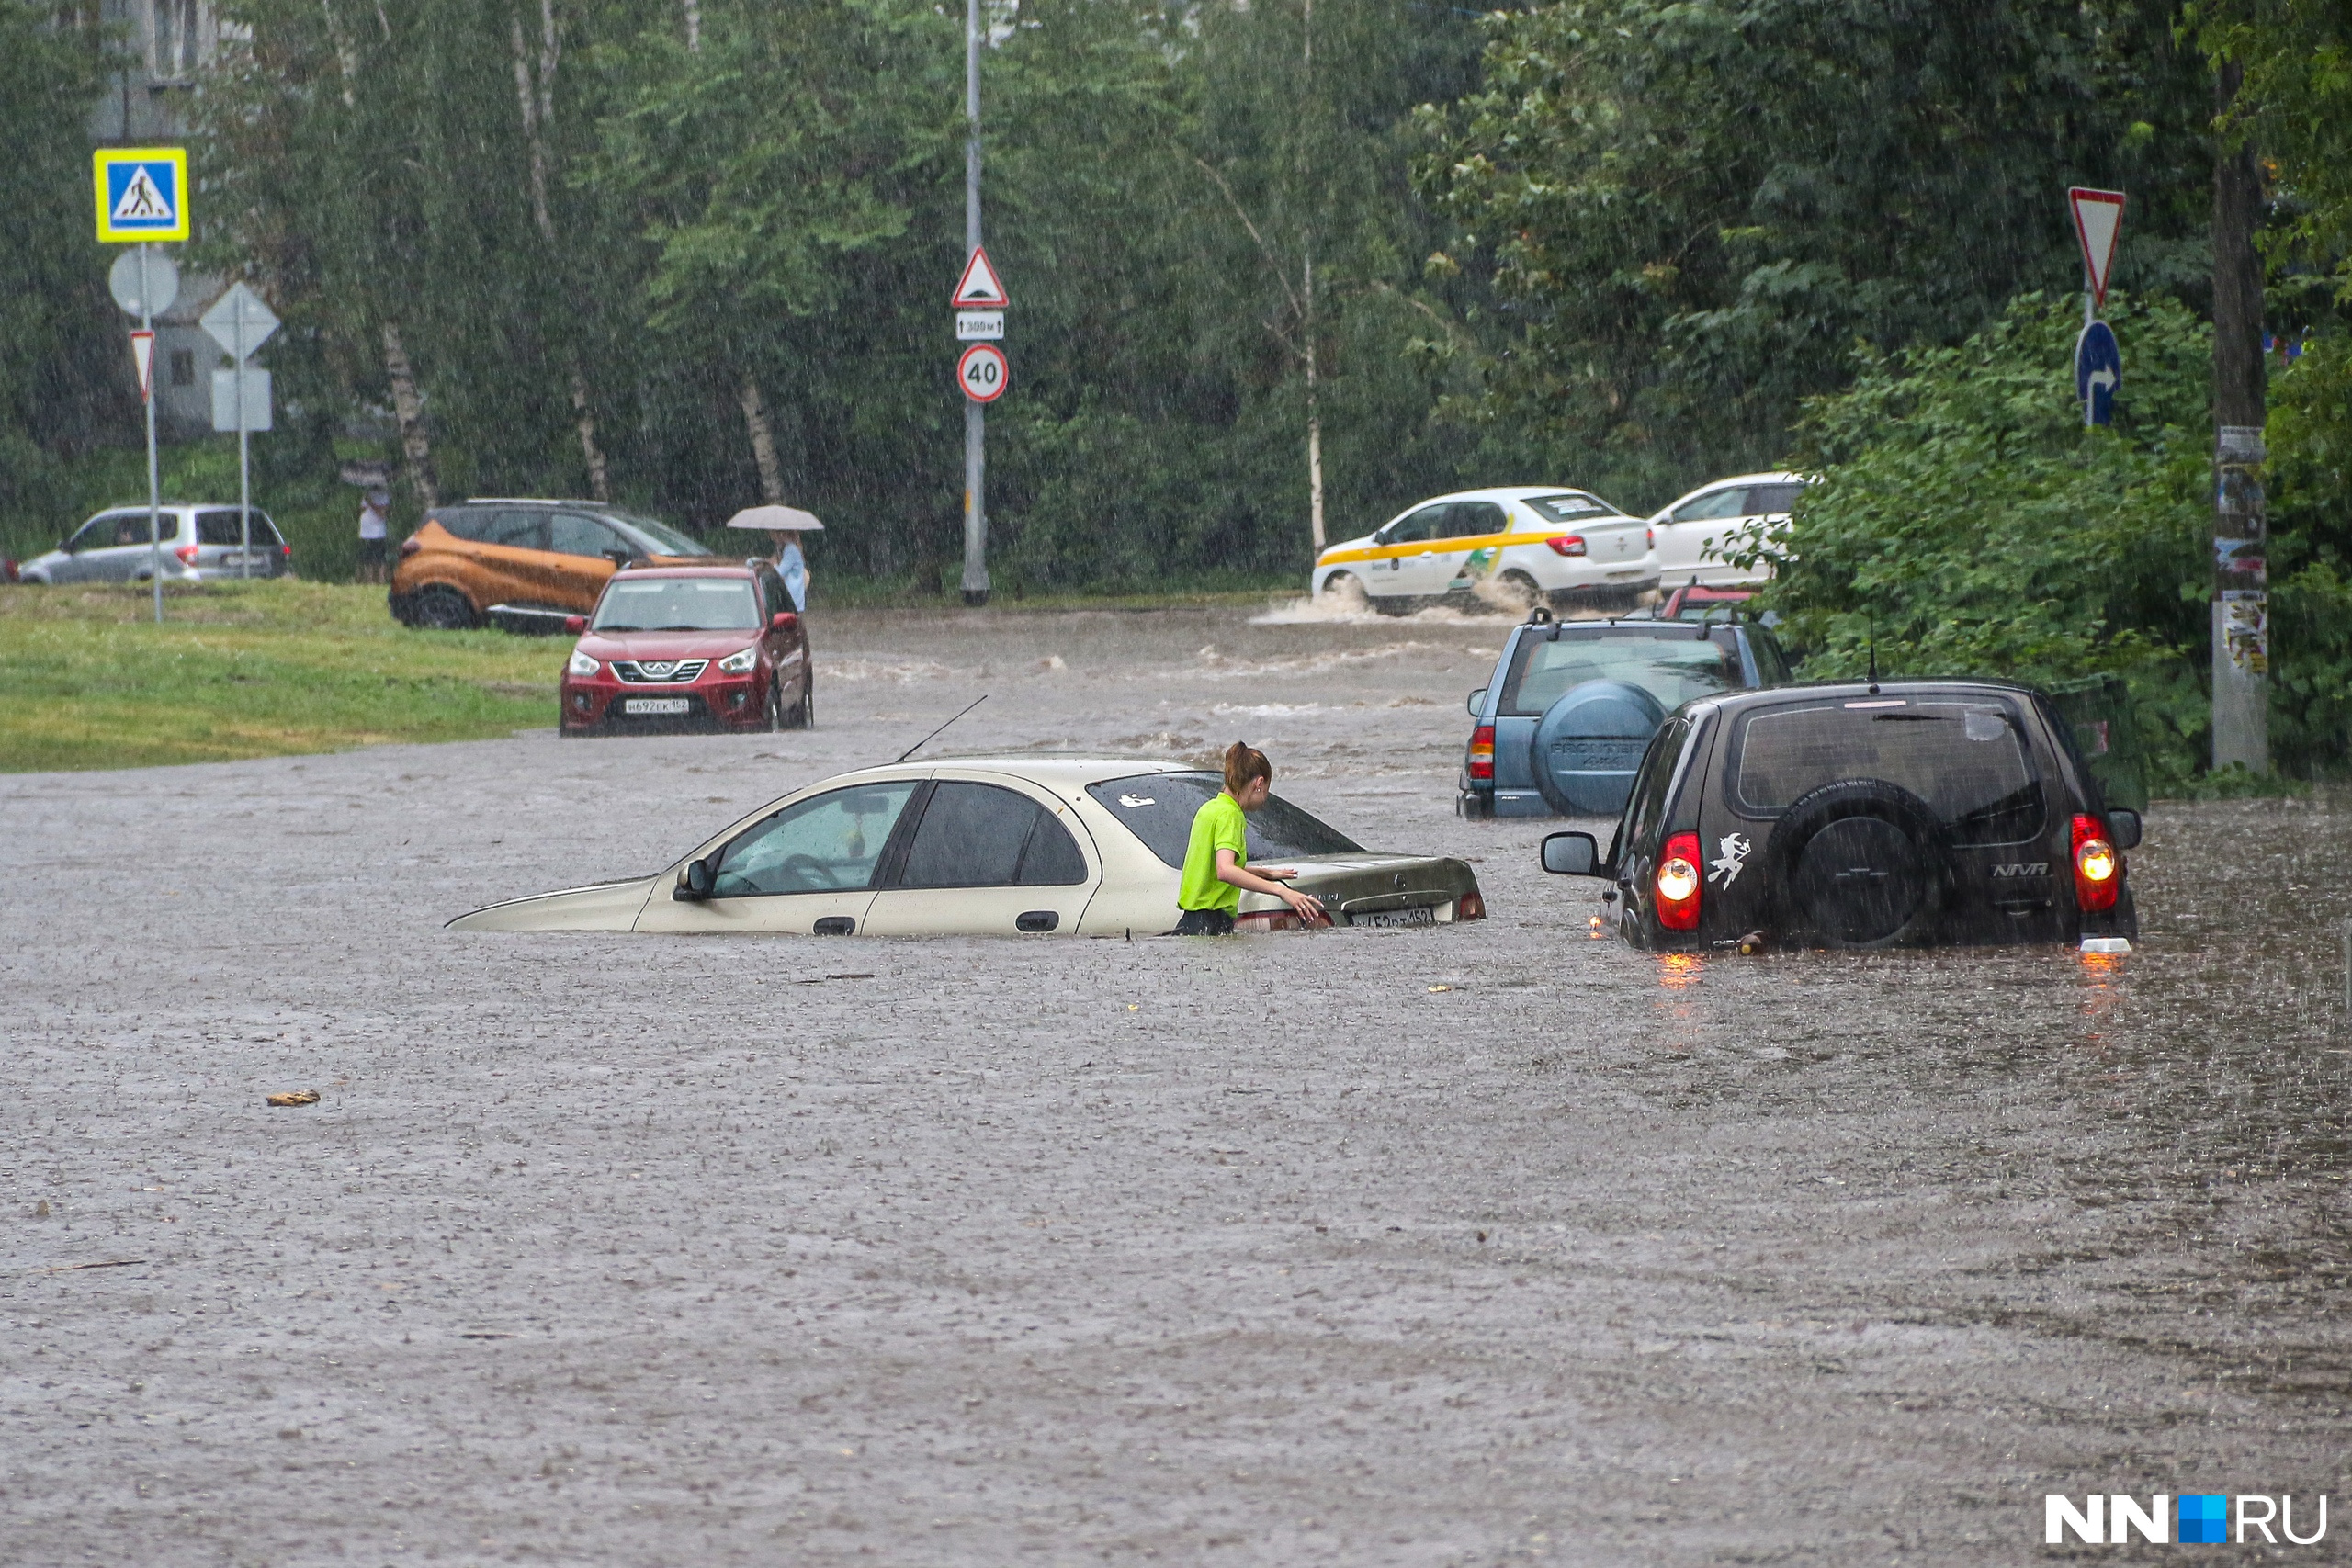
x=643, y=1250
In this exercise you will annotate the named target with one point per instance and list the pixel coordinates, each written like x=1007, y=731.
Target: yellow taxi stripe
x=1442, y=547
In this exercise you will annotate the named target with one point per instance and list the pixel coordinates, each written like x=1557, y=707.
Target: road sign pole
x=976, y=515
x=155, y=478
x=244, y=463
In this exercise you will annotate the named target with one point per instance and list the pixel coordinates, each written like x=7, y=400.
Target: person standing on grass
x=1216, y=863
x=371, y=535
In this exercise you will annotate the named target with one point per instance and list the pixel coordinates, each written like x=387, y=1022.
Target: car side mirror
x=782, y=621
x=1571, y=854
x=575, y=625
x=2124, y=828
x=1479, y=703
x=618, y=557
x=694, y=880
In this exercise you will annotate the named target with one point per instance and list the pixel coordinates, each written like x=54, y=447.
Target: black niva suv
x=1902, y=813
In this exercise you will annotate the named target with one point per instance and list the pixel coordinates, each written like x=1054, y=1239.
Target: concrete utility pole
x=2240, y=603
x=976, y=418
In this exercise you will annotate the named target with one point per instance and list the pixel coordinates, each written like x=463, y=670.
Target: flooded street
x=1486, y=1243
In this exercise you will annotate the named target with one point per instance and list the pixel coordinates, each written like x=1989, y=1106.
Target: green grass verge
x=272, y=668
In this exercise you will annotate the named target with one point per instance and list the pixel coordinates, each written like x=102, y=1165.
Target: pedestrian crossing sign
x=142, y=192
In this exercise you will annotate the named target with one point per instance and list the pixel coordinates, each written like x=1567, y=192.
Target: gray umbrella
x=776, y=520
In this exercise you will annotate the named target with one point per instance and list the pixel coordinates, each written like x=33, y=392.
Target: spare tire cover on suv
x=1589, y=743
x=1861, y=863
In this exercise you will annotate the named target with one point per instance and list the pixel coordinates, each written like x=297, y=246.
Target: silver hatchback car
x=201, y=544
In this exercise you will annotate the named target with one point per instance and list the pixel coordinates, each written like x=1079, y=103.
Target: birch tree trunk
x=416, y=447
x=694, y=27
x=537, y=102
x=755, y=420
x=1314, y=418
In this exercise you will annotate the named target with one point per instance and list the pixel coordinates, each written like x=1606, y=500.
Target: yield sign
x=978, y=287
x=2098, y=218
x=142, y=354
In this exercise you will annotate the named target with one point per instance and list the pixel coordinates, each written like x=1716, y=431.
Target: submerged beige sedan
x=980, y=846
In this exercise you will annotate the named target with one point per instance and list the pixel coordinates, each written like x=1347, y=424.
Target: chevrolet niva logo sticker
x=2023, y=868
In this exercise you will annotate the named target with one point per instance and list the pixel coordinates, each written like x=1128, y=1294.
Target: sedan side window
x=828, y=844
x=975, y=835
x=1428, y=522
x=1725, y=502
x=573, y=535
x=1770, y=501
x=1472, y=518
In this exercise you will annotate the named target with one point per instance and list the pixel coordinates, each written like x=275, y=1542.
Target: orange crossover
x=524, y=565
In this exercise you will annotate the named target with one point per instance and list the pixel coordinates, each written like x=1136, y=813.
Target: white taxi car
x=1534, y=542
x=1695, y=538
x=980, y=846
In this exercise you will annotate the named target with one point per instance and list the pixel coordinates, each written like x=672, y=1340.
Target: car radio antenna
x=935, y=734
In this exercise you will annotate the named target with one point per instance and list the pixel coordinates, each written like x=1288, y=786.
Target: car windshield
x=1158, y=809
x=1966, y=758
x=678, y=605
x=669, y=540
x=1570, y=508
x=1673, y=669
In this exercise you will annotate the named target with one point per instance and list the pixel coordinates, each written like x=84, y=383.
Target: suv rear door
x=219, y=544
x=508, y=548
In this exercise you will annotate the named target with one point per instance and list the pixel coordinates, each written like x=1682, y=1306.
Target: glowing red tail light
x=1566, y=544
x=1482, y=752
x=1470, y=907
x=1649, y=538
x=1678, y=883
x=2099, y=869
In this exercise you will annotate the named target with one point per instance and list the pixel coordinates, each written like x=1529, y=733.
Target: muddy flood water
x=1483, y=1243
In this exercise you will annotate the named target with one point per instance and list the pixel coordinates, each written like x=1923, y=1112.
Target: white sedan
x=982, y=846
x=1532, y=541
x=1722, y=518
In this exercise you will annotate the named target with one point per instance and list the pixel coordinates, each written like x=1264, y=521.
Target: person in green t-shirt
x=1216, y=862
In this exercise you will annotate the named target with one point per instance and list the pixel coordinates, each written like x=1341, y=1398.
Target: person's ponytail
x=1244, y=763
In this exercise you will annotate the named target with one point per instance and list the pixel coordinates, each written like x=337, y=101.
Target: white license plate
x=1422, y=915
x=656, y=704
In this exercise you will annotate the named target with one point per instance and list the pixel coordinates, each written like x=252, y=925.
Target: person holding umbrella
x=784, y=524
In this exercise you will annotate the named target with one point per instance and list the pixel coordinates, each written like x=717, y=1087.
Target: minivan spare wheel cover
x=1861, y=866
x=1589, y=745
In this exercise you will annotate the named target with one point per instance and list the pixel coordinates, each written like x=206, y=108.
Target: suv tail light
x=1470, y=907
x=1482, y=754
x=187, y=553
x=1566, y=544
x=2099, y=869
x=1649, y=538
x=1678, y=883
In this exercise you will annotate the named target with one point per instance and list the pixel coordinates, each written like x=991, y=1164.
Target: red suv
x=690, y=647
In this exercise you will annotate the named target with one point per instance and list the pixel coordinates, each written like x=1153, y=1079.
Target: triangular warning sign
x=978, y=287
x=142, y=353
x=141, y=201
x=2099, y=218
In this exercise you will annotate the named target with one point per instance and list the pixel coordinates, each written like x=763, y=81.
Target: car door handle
x=835, y=925
x=1039, y=920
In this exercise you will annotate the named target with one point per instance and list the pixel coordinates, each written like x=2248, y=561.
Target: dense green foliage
x=1695, y=207
x=64, y=370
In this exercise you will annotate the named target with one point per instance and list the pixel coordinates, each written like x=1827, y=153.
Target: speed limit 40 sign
x=983, y=372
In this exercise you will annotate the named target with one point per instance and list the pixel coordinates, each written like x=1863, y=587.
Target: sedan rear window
x=678, y=605
x=1673, y=669
x=1967, y=760
x=1570, y=508
x=1158, y=809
